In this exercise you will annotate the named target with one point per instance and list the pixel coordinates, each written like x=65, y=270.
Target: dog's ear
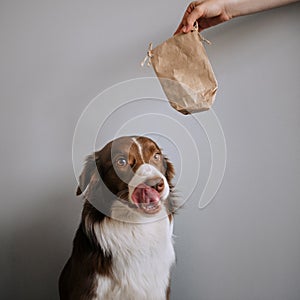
x=87, y=173
x=91, y=185
x=170, y=171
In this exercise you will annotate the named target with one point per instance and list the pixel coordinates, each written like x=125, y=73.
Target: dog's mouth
x=146, y=198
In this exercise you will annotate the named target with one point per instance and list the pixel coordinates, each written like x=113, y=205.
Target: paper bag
x=184, y=71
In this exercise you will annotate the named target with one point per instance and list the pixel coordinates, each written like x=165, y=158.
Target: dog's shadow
x=40, y=245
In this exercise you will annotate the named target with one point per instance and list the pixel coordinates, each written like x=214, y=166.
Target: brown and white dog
x=123, y=247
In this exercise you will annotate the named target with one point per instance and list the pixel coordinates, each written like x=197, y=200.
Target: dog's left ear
x=170, y=171
x=87, y=173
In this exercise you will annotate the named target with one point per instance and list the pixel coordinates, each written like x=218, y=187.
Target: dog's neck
x=142, y=255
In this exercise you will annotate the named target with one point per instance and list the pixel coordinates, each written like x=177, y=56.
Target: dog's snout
x=145, y=170
x=156, y=183
x=154, y=179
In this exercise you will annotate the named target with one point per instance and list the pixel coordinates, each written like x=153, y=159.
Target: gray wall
x=57, y=55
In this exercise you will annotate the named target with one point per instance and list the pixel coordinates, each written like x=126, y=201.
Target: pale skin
x=209, y=13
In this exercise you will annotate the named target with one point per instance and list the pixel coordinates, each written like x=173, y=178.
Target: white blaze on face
x=147, y=172
x=139, y=148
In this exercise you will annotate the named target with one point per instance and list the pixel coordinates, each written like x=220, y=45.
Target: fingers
x=179, y=29
x=207, y=12
x=183, y=23
x=192, y=13
x=196, y=14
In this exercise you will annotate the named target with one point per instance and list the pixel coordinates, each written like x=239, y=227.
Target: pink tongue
x=145, y=194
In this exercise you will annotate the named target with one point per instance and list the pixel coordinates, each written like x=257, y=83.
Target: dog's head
x=129, y=174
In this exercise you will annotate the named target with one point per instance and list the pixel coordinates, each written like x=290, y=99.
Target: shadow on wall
x=44, y=225
x=41, y=244
x=41, y=239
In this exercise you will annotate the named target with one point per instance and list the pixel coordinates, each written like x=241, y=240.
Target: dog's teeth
x=149, y=207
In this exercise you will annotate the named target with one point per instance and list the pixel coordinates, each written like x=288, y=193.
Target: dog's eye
x=122, y=162
x=156, y=156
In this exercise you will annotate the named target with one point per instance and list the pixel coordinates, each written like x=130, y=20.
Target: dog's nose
x=160, y=186
x=156, y=183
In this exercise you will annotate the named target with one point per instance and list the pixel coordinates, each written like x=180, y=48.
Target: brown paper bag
x=184, y=71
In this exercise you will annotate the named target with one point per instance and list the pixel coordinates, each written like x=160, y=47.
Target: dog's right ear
x=87, y=173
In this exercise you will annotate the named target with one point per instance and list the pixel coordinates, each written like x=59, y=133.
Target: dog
x=123, y=248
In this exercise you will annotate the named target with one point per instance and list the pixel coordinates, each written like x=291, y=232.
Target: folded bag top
x=184, y=71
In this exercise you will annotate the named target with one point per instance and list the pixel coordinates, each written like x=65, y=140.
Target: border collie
x=123, y=248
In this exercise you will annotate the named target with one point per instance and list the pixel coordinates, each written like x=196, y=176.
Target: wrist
x=237, y=8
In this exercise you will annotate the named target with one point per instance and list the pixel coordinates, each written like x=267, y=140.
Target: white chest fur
x=142, y=257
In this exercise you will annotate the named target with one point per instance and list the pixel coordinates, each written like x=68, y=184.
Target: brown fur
x=78, y=278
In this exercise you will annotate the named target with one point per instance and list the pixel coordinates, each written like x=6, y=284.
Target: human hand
x=212, y=12
x=207, y=12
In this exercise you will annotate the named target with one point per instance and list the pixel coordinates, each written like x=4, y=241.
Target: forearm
x=236, y=8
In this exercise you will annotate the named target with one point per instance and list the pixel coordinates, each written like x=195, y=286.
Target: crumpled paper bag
x=184, y=71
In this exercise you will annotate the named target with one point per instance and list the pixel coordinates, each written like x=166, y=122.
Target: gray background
x=57, y=55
